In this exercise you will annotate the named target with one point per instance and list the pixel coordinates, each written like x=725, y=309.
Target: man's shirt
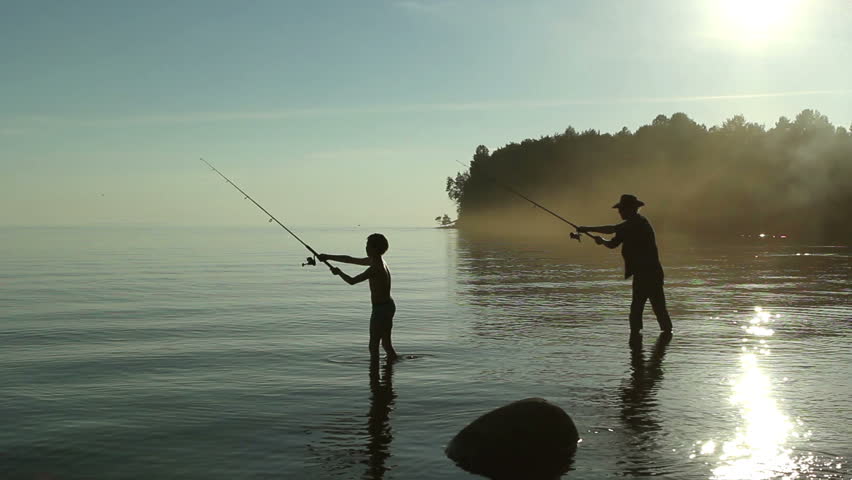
x=639, y=246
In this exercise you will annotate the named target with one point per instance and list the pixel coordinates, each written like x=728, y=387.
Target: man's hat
x=629, y=201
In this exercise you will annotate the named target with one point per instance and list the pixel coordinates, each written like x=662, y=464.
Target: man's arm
x=607, y=229
x=353, y=280
x=611, y=243
x=323, y=257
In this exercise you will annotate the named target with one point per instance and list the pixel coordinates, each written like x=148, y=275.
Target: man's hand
x=322, y=257
x=582, y=229
x=335, y=271
x=599, y=240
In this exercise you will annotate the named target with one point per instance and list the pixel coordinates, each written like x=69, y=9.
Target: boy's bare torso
x=380, y=282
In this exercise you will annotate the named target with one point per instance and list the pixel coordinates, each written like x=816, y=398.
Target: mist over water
x=703, y=183
x=210, y=353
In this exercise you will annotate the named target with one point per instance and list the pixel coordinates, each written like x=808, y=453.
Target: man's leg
x=658, y=303
x=637, y=305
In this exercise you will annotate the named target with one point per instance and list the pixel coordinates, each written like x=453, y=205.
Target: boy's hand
x=322, y=257
x=335, y=271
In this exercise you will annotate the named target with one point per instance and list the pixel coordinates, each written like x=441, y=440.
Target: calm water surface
x=211, y=354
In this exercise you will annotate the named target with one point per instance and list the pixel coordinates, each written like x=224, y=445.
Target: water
x=211, y=354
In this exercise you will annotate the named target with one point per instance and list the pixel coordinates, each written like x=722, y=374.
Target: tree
x=444, y=221
x=660, y=120
x=790, y=178
x=481, y=154
x=455, y=187
x=737, y=122
x=812, y=120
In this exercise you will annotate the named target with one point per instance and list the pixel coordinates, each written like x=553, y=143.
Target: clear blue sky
x=354, y=112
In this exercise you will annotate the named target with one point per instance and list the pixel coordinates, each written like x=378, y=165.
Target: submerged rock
x=530, y=439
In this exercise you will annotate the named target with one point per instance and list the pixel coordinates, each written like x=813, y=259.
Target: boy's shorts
x=381, y=320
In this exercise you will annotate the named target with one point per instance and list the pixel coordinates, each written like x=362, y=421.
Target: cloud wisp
x=299, y=113
x=421, y=6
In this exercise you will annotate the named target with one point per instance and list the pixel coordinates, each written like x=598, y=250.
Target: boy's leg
x=386, y=344
x=375, y=336
x=374, y=345
x=387, y=327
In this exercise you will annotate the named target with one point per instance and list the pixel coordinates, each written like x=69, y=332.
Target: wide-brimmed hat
x=629, y=201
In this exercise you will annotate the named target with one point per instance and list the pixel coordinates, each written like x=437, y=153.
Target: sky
x=344, y=113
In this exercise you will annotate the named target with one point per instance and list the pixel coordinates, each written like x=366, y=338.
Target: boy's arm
x=353, y=280
x=322, y=257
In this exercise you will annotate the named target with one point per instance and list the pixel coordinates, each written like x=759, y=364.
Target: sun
x=756, y=21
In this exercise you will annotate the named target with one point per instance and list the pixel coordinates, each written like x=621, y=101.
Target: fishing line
x=574, y=235
x=311, y=260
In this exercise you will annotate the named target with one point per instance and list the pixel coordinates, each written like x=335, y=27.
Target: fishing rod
x=311, y=260
x=573, y=235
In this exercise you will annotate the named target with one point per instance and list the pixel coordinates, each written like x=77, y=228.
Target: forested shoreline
x=732, y=181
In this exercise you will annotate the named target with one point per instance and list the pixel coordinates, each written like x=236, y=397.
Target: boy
x=381, y=319
x=641, y=261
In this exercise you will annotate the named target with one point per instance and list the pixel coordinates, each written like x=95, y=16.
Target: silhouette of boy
x=641, y=261
x=381, y=319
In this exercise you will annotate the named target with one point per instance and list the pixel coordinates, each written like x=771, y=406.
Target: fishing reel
x=575, y=236
x=312, y=261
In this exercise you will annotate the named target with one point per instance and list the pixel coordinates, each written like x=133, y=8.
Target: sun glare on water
x=759, y=447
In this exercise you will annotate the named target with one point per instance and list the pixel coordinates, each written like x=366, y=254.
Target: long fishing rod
x=311, y=260
x=574, y=235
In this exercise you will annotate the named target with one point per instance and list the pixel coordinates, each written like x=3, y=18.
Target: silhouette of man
x=641, y=261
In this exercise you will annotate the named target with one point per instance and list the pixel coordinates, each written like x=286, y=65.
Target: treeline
x=722, y=182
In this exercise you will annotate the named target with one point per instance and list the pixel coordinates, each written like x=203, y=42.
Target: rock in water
x=531, y=439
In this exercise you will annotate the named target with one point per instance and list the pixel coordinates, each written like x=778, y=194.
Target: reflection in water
x=638, y=410
x=528, y=291
x=545, y=303
x=759, y=448
x=347, y=443
x=378, y=421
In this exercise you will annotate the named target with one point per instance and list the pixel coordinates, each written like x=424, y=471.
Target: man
x=641, y=261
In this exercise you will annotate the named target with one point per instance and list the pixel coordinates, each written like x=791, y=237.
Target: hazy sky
x=354, y=112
